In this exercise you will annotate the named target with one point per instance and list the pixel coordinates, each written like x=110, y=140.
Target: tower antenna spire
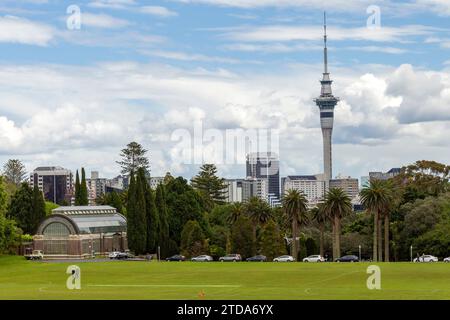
x=325, y=49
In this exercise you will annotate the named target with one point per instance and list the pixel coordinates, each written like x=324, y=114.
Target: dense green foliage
x=209, y=185
x=193, y=241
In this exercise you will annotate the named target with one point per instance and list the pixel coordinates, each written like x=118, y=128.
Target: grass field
x=21, y=279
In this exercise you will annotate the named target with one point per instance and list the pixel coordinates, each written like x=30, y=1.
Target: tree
x=136, y=222
x=163, y=232
x=376, y=199
x=133, y=158
x=112, y=199
x=237, y=209
x=272, y=243
x=210, y=186
x=21, y=208
x=337, y=205
x=319, y=214
x=14, y=171
x=9, y=235
x=193, y=242
x=295, y=207
x=77, y=190
x=38, y=208
x=241, y=237
x=259, y=213
x=84, y=196
x=151, y=214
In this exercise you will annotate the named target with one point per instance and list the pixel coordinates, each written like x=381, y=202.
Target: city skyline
x=138, y=72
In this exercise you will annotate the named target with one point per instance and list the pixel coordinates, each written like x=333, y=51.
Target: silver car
x=284, y=259
x=447, y=259
x=202, y=258
x=426, y=258
x=314, y=258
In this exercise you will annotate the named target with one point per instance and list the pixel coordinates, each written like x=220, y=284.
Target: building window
x=56, y=229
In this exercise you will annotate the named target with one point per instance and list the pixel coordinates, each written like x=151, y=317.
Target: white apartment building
x=313, y=186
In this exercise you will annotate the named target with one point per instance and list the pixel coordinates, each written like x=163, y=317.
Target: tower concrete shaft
x=326, y=103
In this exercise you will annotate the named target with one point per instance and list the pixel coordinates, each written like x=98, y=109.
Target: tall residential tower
x=326, y=103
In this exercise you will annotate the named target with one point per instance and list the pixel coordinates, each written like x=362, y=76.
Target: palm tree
x=237, y=209
x=337, y=205
x=259, y=212
x=295, y=206
x=320, y=215
x=376, y=199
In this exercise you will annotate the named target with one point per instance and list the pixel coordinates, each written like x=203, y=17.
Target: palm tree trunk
x=334, y=241
x=294, y=250
x=386, y=238
x=380, y=239
x=321, y=239
x=375, y=235
x=337, y=222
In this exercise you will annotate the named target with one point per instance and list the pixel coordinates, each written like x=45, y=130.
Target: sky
x=81, y=79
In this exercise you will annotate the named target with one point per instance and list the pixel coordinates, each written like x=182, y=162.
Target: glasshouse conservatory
x=81, y=232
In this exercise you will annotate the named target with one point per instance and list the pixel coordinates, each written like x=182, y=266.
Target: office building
x=265, y=165
x=96, y=187
x=155, y=181
x=56, y=183
x=384, y=175
x=313, y=187
x=348, y=184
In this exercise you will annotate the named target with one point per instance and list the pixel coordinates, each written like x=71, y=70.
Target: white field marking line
x=328, y=279
x=166, y=285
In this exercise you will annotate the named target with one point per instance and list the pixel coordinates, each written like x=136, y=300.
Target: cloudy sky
x=74, y=94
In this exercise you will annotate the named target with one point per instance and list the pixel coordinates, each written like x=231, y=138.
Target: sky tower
x=326, y=103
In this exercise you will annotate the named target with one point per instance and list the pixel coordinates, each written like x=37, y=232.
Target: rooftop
x=85, y=210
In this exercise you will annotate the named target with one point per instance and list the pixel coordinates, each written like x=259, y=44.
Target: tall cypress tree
x=152, y=219
x=77, y=189
x=131, y=214
x=21, y=208
x=140, y=214
x=38, y=207
x=84, y=196
x=163, y=226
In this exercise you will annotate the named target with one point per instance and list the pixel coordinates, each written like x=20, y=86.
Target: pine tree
x=133, y=158
x=163, y=226
x=77, y=189
x=210, y=186
x=84, y=196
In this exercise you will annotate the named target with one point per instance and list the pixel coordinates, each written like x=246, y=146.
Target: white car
x=426, y=258
x=114, y=254
x=314, y=258
x=202, y=258
x=284, y=259
x=447, y=259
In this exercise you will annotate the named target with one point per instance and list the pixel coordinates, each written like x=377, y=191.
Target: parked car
x=177, y=257
x=447, y=259
x=349, y=258
x=113, y=255
x=203, y=258
x=314, y=258
x=35, y=255
x=284, y=259
x=234, y=257
x=258, y=258
x=119, y=255
x=426, y=258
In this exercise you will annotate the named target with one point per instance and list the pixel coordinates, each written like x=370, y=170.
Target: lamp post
x=359, y=247
x=410, y=253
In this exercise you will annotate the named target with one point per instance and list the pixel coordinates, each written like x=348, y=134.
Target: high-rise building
x=56, y=183
x=326, y=103
x=265, y=165
x=155, y=181
x=312, y=186
x=96, y=187
x=348, y=184
x=241, y=190
x=233, y=190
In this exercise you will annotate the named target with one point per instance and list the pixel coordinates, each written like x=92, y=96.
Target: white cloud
x=441, y=7
x=158, y=11
x=85, y=115
x=112, y=4
x=292, y=33
x=23, y=31
x=102, y=21
x=389, y=50
x=174, y=55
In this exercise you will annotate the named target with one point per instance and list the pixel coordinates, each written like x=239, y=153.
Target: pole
x=410, y=252
x=159, y=253
x=359, y=252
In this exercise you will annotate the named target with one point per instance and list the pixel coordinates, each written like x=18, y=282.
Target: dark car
x=258, y=258
x=177, y=257
x=349, y=258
